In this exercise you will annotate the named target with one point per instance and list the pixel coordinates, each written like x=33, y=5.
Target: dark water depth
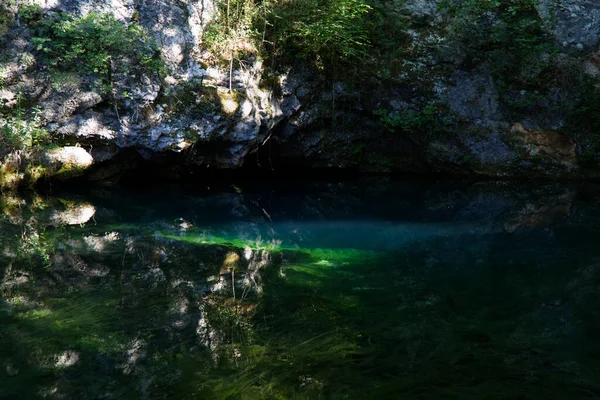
x=334, y=291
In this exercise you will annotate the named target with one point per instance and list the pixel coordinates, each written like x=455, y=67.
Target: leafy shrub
x=325, y=31
x=31, y=12
x=18, y=133
x=96, y=44
x=386, y=27
x=231, y=33
x=507, y=35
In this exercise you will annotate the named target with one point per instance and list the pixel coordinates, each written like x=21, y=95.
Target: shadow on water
x=336, y=292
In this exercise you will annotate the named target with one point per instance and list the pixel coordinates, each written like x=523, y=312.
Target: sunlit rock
x=65, y=162
x=207, y=335
x=183, y=225
x=247, y=253
x=87, y=127
x=7, y=98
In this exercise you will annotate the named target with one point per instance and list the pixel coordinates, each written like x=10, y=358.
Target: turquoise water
x=330, y=291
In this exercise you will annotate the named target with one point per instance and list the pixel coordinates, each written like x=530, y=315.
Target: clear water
x=336, y=291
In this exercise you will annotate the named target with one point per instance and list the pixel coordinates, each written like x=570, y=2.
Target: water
x=331, y=291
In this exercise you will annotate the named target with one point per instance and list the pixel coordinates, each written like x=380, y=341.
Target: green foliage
x=65, y=80
x=31, y=12
x=5, y=20
x=21, y=133
x=386, y=27
x=508, y=35
x=327, y=32
x=17, y=133
x=411, y=121
x=231, y=33
x=585, y=119
x=96, y=44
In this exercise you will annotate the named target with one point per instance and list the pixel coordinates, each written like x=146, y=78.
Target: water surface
x=332, y=291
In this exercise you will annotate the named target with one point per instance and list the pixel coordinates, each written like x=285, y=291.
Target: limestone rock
x=474, y=96
x=577, y=22
x=67, y=162
x=548, y=147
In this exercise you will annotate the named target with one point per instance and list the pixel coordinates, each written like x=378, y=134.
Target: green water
x=334, y=291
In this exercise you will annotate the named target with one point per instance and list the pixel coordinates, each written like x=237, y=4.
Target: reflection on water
x=341, y=291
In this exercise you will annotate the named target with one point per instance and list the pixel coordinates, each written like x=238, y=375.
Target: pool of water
x=328, y=291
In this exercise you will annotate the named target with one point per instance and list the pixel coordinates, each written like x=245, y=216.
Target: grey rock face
x=490, y=149
x=474, y=96
x=577, y=22
x=188, y=108
x=422, y=9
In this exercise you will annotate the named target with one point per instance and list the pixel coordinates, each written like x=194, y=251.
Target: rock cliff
x=447, y=106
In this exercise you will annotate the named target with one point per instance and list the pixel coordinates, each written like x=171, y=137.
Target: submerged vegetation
x=111, y=307
x=440, y=76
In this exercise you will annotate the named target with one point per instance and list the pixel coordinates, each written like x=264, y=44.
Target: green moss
x=35, y=172
x=69, y=171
